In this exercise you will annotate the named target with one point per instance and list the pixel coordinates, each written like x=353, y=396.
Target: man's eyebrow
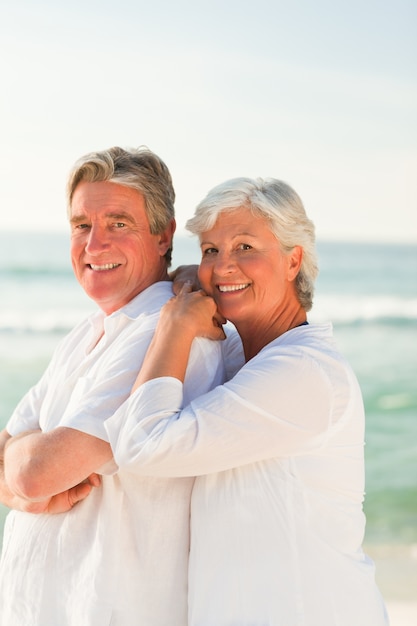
x=77, y=219
x=120, y=217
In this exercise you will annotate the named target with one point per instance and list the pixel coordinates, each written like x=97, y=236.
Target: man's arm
x=6, y=496
x=60, y=503
x=38, y=466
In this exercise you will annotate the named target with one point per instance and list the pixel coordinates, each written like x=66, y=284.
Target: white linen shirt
x=277, y=521
x=120, y=557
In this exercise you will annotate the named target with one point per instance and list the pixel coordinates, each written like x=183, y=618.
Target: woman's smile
x=230, y=288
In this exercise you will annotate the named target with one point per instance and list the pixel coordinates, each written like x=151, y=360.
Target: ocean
x=368, y=291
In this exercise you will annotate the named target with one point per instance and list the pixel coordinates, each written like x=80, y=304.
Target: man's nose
x=98, y=240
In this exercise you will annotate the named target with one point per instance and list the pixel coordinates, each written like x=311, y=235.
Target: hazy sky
x=319, y=93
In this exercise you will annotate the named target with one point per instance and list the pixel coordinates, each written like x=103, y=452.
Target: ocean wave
x=49, y=321
x=338, y=309
x=35, y=272
x=395, y=401
x=352, y=310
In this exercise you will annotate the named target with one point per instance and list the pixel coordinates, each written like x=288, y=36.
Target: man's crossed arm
x=49, y=472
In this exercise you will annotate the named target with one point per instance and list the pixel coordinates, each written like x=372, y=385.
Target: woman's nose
x=224, y=263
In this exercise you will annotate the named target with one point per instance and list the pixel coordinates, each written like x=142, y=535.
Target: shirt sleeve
x=26, y=415
x=279, y=404
x=29, y=413
x=97, y=396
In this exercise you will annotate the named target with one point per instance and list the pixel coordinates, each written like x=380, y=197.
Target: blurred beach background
x=320, y=94
x=368, y=291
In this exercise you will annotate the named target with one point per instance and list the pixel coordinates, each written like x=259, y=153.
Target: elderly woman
x=276, y=513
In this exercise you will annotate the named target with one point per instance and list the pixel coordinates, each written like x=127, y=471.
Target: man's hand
x=41, y=465
x=58, y=502
x=62, y=502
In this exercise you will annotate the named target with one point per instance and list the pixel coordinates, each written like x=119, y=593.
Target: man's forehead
x=108, y=199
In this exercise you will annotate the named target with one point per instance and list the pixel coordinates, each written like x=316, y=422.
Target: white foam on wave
x=342, y=309
x=362, y=308
x=47, y=321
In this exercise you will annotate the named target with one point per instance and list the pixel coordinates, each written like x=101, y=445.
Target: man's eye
x=119, y=224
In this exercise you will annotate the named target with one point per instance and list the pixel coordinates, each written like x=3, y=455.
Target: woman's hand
x=184, y=274
x=186, y=316
x=194, y=313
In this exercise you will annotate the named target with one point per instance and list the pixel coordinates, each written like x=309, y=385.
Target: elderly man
x=82, y=549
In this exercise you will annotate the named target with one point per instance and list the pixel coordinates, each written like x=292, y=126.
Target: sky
x=321, y=94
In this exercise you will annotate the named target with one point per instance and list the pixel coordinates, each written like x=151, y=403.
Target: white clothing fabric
x=120, y=557
x=277, y=521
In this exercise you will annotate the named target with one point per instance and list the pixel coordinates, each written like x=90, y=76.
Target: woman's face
x=245, y=271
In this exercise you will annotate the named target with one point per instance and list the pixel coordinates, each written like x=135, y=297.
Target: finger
x=218, y=332
x=219, y=318
x=187, y=287
x=94, y=480
x=79, y=493
x=219, y=325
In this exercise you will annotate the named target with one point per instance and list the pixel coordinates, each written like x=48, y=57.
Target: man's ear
x=295, y=258
x=166, y=237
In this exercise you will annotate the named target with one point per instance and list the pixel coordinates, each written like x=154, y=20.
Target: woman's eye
x=208, y=251
x=245, y=246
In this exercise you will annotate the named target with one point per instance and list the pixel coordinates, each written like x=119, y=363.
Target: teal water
x=369, y=292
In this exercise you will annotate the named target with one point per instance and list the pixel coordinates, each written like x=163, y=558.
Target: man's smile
x=102, y=268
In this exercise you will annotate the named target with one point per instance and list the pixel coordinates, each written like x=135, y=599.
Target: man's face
x=113, y=253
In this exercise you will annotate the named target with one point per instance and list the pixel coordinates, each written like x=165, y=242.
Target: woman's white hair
x=280, y=206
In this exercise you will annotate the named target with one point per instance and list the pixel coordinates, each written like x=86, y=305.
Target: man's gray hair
x=139, y=169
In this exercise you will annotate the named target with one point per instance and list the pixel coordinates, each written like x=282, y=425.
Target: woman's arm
x=279, y=404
